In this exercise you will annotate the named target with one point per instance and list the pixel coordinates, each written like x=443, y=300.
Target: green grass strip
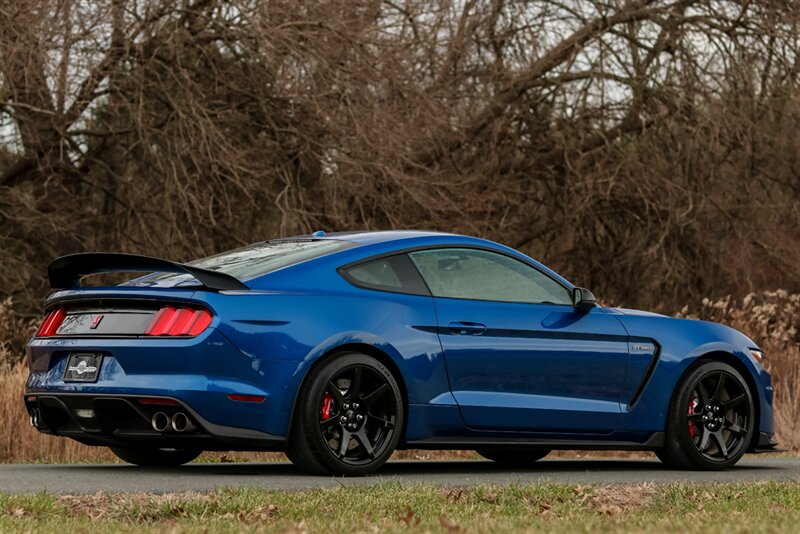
x=723, y=508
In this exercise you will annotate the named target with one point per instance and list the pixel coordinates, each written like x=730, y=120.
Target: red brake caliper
x=692, y=405
x=327, y=406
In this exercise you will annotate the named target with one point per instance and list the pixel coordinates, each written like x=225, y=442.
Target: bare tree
x=645, y=148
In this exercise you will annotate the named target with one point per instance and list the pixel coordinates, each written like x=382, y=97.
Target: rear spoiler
x=66, y=272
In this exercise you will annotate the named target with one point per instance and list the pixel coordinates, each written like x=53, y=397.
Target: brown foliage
x=645, y=148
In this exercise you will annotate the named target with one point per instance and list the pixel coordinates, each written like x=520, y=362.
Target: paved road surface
x=205, y=477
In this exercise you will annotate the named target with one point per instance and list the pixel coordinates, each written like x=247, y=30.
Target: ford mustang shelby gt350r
x=340, y=348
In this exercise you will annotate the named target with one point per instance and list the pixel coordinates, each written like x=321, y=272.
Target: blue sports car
x=340, y=348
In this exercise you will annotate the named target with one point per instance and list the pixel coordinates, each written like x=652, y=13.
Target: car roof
x=374, y=243
x=370, y=237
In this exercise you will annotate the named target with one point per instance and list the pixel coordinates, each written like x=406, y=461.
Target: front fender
x=682, y=343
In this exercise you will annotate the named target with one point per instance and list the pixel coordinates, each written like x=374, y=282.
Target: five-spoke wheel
x=710, y=424
x=349, y=417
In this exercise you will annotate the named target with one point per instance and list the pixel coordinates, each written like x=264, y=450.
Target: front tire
x=153, y=457
x=711, y=420
x=348, y=418
x=525, y=457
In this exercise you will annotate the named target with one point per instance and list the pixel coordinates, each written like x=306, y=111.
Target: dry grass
x=771, y=318
x=22, y=443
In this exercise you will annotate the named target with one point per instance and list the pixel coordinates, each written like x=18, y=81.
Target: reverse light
x=51, y=323
x=758, y=355
x=172, y=321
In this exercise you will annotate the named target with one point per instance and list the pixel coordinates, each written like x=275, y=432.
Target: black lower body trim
x=656, y=441
x=120, y=420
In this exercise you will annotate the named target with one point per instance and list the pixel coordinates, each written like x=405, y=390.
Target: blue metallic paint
x=549, y=368
x=537, y=371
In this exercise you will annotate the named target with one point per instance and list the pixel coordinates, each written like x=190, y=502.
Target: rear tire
x=348, y=419
x=711, y=419
x=514, y=457
x=152, y=457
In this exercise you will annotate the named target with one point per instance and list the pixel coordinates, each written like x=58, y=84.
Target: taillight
x=171, y=321
x=51, y=323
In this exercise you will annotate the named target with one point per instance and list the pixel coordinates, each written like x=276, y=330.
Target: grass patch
x=762, y=507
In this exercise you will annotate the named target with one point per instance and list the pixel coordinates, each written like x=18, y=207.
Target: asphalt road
x=205, y=477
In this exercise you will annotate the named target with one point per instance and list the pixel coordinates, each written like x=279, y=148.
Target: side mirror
x=583, y=299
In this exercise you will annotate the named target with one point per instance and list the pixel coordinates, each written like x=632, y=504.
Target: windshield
x=254, y=260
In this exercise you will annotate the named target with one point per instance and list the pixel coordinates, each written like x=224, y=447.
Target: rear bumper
x=198, y=372
x=123, y=420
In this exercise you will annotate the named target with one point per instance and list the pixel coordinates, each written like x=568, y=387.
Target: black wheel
x=152, y=457
x=348, y=417
x=514, y=457
x=711, y=419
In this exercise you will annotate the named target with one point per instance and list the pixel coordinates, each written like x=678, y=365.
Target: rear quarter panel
x=288, y=330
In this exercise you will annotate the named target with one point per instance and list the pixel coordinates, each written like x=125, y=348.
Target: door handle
x=466, y=328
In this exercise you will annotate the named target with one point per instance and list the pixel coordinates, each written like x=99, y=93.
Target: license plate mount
x=83, y=367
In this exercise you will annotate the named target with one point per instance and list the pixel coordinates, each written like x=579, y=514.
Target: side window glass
x=376, y=273
x=392, y=273
x=483, y=275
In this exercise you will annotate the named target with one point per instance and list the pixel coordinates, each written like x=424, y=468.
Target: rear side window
x=482, y=275
x=259, y=259
x=395, y=274
x=263, y=258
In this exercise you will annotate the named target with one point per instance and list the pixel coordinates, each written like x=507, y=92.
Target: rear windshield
x=256, y=260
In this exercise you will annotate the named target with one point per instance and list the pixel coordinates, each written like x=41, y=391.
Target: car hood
x=640, y=313
x=656, y=326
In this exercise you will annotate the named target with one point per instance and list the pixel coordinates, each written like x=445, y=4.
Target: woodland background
x=645, y=149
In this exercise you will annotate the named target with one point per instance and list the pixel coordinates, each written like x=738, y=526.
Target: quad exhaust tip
x=160, y=421
x=36, y=417
x=181, y=423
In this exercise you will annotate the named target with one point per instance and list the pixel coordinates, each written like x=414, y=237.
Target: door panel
x=533, y=367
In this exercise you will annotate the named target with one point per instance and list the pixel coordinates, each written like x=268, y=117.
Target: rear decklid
x=127, y=311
